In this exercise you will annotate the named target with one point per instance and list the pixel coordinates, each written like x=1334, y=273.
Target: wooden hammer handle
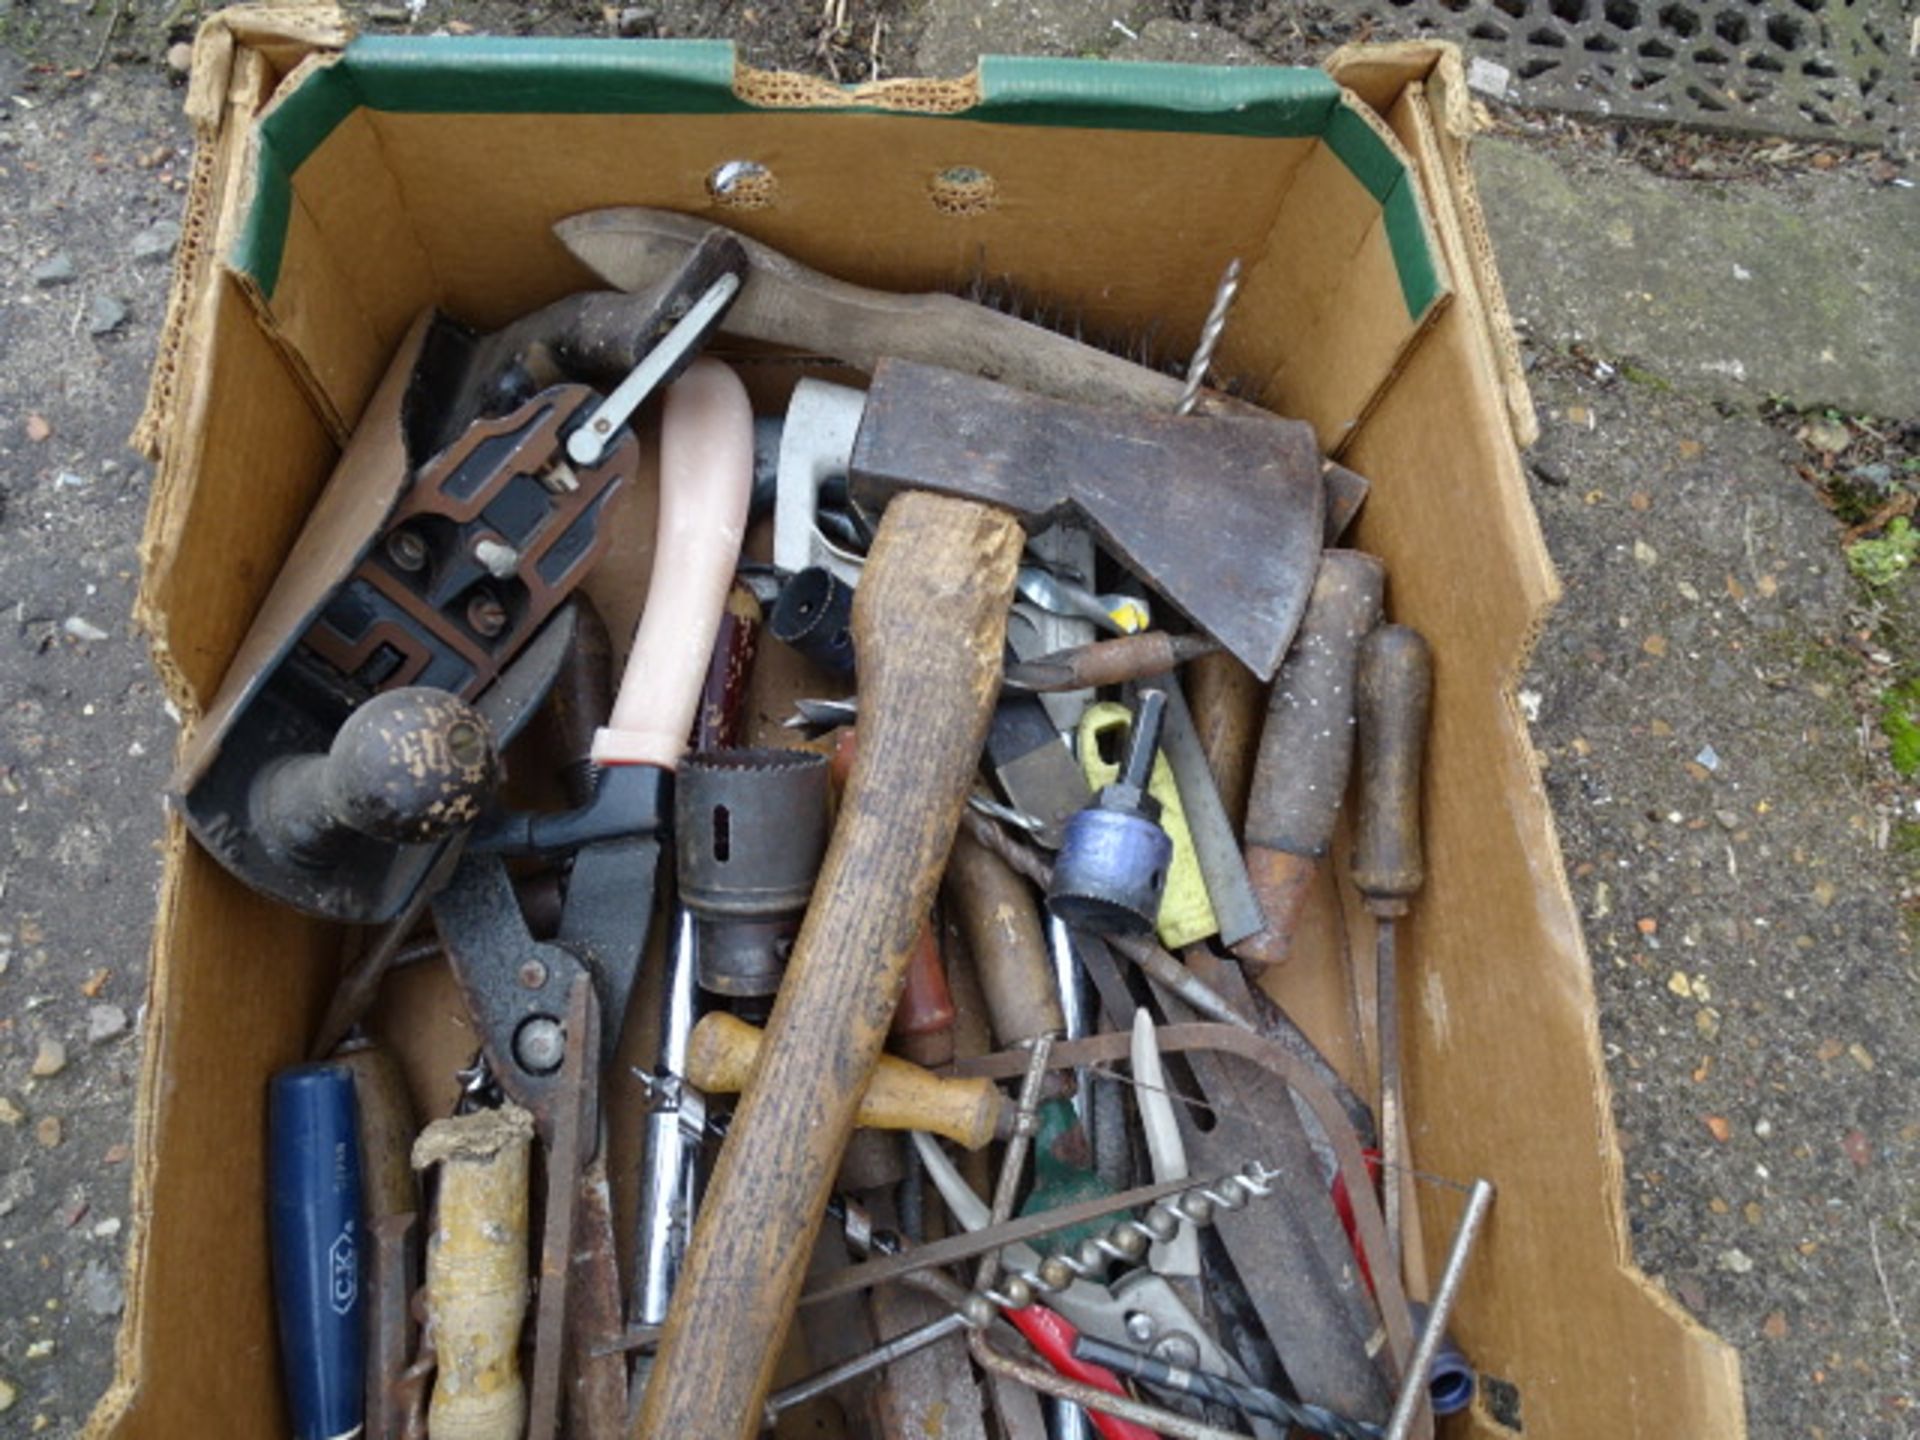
x=901, y=1096
x=929, y=626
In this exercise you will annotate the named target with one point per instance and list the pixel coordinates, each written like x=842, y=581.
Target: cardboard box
x=338, y=189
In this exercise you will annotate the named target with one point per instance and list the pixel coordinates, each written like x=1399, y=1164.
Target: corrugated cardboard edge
x=1429, y=78
x=1377, y=74
x=784, y=90
x=124, y=1389
x=240, y=56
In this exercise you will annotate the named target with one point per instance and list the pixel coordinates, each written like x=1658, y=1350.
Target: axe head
x=1221, y=515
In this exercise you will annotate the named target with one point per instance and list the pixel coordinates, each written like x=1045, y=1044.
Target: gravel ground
x=1707, y=704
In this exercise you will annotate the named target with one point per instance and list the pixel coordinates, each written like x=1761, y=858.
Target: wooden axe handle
x=929, y=627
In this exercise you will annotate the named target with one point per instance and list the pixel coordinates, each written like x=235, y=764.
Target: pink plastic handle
x=706, y=479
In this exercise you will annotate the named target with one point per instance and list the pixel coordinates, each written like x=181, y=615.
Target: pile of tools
x=982, y=938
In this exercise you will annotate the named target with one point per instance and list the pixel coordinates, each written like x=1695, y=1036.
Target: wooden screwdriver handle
x=929, y=625
x=900, y=1096
x=1306, y=748
x=1394, y=698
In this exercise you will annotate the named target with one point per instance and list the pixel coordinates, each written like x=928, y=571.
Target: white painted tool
x=816, y=444
x=1179, y=1256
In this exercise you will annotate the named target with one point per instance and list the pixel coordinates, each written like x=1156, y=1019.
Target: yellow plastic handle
x=1186, y=914
x=901, y=1096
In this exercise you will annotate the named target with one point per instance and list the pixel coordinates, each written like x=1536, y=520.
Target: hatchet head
x=1222, y=516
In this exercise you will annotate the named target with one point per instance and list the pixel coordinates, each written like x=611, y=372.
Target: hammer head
x=1222, y=516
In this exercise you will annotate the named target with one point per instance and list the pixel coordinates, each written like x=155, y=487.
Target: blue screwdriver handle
x=313, y=1158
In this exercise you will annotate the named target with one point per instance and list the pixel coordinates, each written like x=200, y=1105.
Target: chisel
x=1395, y=696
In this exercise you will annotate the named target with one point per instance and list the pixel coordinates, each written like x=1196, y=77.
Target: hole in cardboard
x=741, y=185
x=963, y=190
x=1503, y=1400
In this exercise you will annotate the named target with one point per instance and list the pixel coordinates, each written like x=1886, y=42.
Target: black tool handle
x=1395, y=699
x=408, y=767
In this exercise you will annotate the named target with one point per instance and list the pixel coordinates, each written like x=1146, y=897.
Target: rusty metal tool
x=1216, y=846
x=750, y=829
x=1295, y=1263
x=1226, y=699
x=1395, y=698
x=1153, y=488
x=929, y=623
x=899, y=1096
x=391, y=1204
x=1185, y=1380
x=1298, y=1272
x=390, y=1323
x=1107, y=662
x=1414, y=1393
x=1197, y=1040
x=1306, y=747
x=1032, y=630
x=786, y=303
x=1033, y=767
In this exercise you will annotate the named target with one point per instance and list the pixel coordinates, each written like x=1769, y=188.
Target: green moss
x=1636, y=375
x=1883, y=561
x=1900, y=722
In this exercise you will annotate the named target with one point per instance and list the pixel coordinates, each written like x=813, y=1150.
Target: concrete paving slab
x=955, y=33
x=1811, y=291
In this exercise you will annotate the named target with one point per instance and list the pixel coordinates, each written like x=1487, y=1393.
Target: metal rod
x=1154, y=1417
x=1210, y=332
x=1221, y=1390
x=1065, y=1420
x=1413, y=1388
x=1387, y=1031
x=674, y=1125
x=834, y=1376
x=1014, y=1163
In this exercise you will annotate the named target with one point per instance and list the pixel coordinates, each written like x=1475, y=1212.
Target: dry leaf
x=1655, y=645
x=1858, y=1148
x=1722, y=1131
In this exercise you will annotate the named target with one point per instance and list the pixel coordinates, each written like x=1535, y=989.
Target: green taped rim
x=466, y=75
